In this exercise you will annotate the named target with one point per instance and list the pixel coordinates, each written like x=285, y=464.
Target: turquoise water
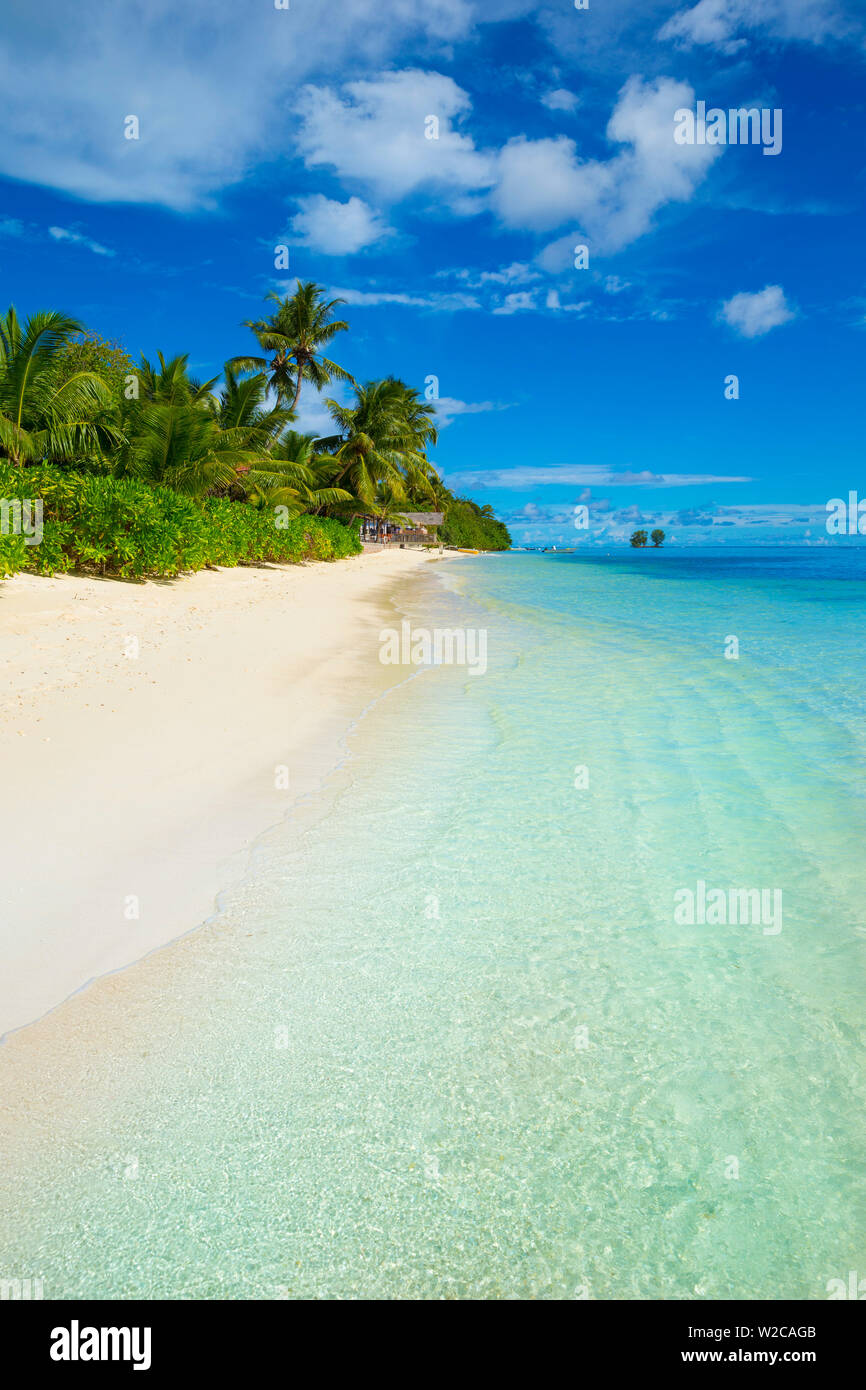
x=449, y=1040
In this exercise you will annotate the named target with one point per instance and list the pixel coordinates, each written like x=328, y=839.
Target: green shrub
x=95, y=522
x=467, y=525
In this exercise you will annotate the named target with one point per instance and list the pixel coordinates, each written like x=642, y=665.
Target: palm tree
x=301, y=326
x=385, y=437
x=178, y=433
x=440, y=495
x=420, y=434
x=171, y=384
x=182, y=446
x=47, y=412
x=292, y=475
x=419, y=416
x=243, y=405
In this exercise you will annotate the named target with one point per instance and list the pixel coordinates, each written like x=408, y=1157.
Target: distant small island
x=638, y=539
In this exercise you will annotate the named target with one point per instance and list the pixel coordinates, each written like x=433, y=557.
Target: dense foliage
x=142, y=469
x=467, y=524
x=120, y=526
x=638, y=539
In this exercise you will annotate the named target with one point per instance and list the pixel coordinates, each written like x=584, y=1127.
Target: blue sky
x=602, y=386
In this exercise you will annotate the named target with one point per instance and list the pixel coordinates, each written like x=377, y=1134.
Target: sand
x=150, y=733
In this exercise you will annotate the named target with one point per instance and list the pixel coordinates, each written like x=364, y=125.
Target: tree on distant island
x=637, y=539
x=657, y=537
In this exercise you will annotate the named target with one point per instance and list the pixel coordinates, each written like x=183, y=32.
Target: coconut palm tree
x=178, y=433
x=382, y=443
x=171, y=384
x=420, y=434
x=440, y=496
x=301, y=326
x=47, y=412
x=292, y=475
x=182, y=446
x=243, y=405
x=419, y=416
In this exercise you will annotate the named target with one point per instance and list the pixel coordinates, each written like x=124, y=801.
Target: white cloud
x=559, y=255
x=518, y=273
x=70, y=81
x=375, y=133
x=66, y=234
x=553, y=301
x=587, y=475
x=213, y=95
x=544, y=183
x=443, y=303
x=313, y=416
x=516, y=303
x=335, y=228
x=448, y=408
x=374, y=297
x=754, y=314
x=560, y=100
x=721, y=22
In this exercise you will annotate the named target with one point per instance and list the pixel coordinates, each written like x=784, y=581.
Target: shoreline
x=182, y=719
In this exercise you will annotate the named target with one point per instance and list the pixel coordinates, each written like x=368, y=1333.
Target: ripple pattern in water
x=448, y=1040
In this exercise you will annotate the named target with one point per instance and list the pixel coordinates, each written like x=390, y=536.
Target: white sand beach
x=143, y=729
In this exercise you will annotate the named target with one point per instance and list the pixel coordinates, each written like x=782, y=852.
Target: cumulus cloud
x=560, y=100
x=553, y=301
x=518, y=273
x=517, y=302
x=375, y=132
x=721, y=22
x=629, y=516
x=544, y=183
x=754, y=314
x=335, y=228
x=313, y=415
x=70, y=96
x=694, y=516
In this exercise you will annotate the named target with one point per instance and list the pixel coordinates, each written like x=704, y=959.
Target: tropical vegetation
x=142, y=468
x=638, y=539
x=467, y=524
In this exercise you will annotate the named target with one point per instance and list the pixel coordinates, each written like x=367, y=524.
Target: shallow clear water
x=449, y=1039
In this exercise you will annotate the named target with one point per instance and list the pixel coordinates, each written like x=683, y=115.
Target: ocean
x=553, y=990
